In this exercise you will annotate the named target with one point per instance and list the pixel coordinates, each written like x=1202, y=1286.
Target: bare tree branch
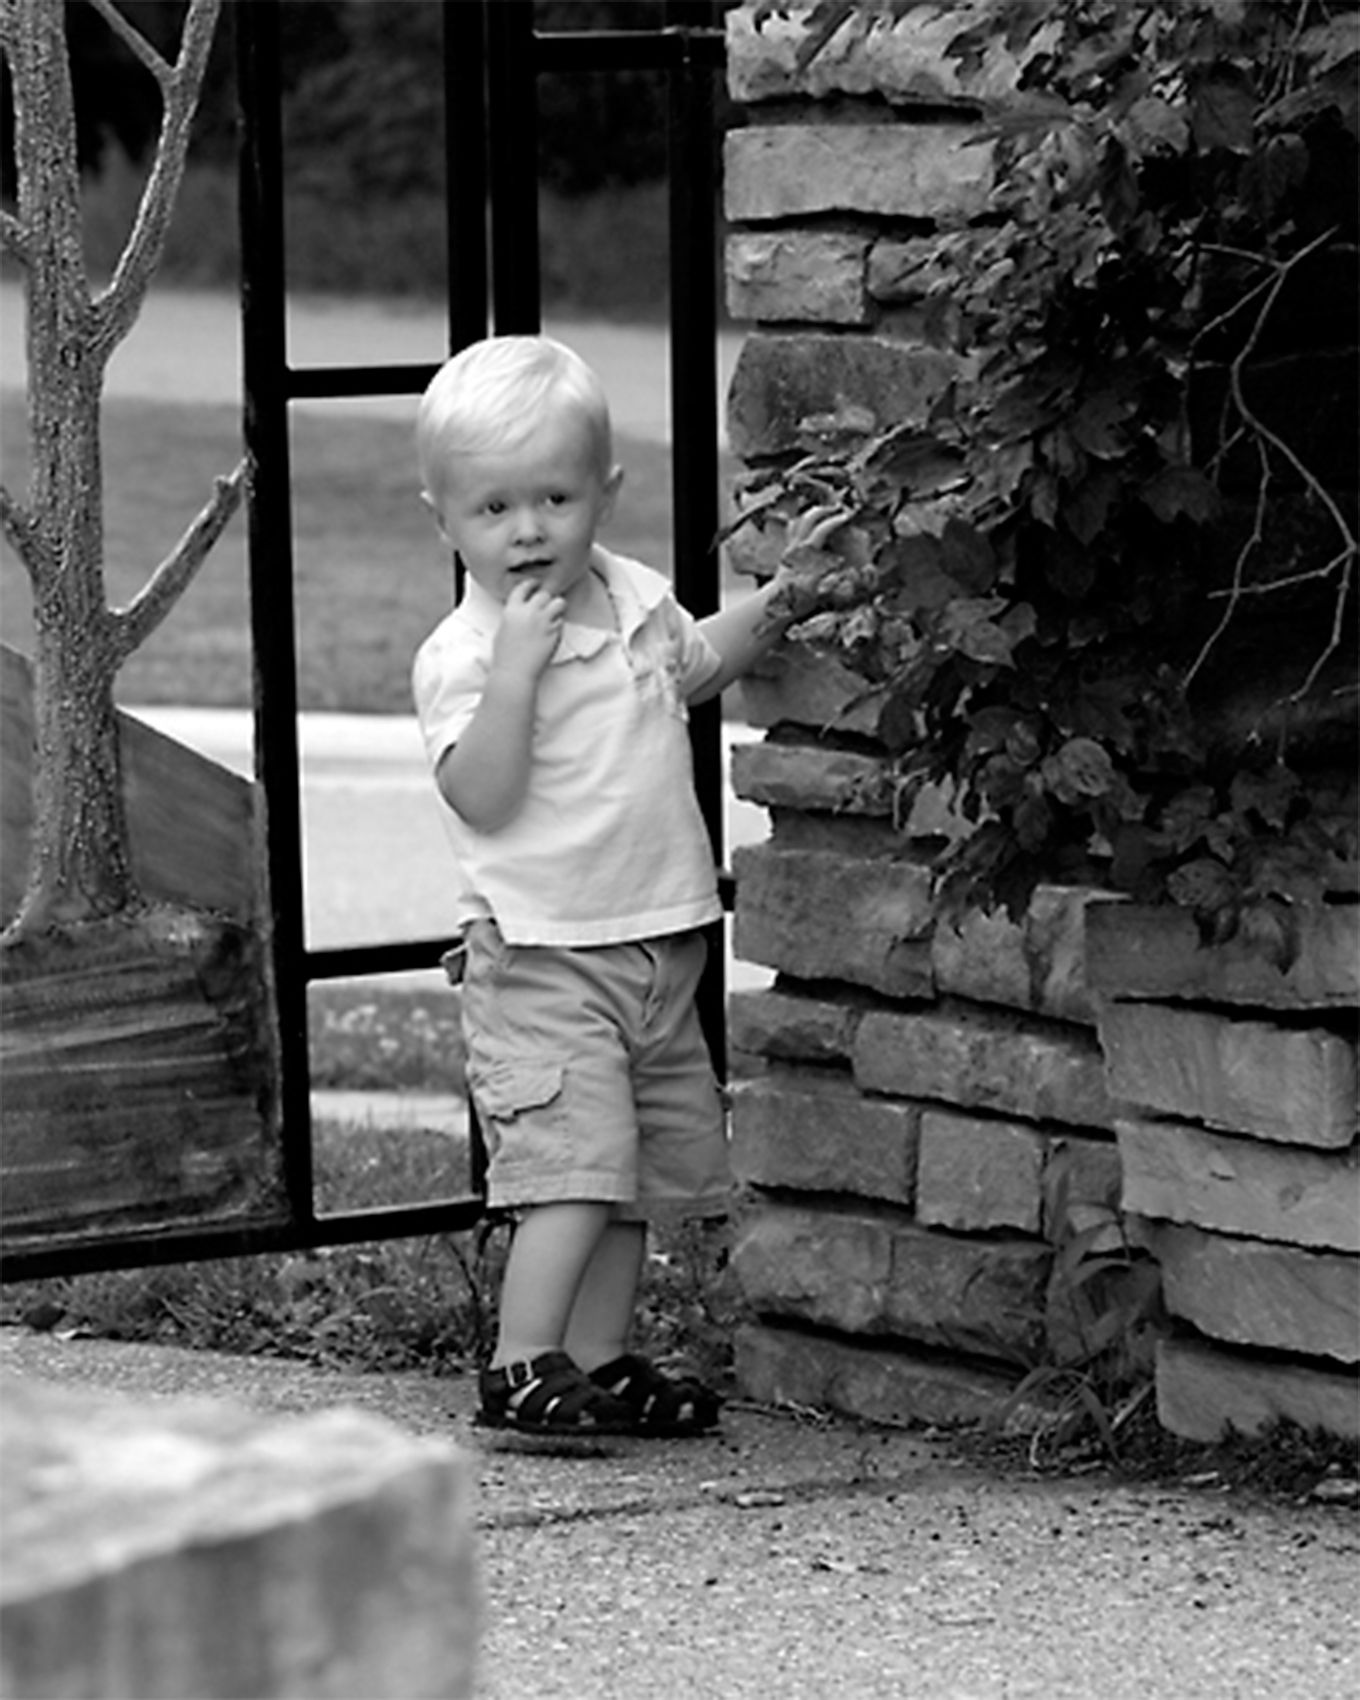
x=20, y=531
x=117, y=308
x=13, y=238
x=133, y=38
x=134, y=623
x=1234, y=593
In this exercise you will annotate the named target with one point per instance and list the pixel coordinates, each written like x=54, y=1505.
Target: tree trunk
x=79, y=868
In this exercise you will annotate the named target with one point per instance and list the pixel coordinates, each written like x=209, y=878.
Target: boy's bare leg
x=553, y=1249
x=602, y=1316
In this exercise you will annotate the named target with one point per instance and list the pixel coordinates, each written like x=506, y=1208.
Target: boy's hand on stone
x=808, y=569
x=531, y=624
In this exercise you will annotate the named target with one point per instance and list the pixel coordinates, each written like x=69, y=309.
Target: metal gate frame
x=492, y=57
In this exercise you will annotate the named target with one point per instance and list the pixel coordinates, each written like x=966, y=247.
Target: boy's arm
x=484, y=776
x=743, y=633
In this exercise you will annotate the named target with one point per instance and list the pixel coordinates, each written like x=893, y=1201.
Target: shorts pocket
x=504, y=1091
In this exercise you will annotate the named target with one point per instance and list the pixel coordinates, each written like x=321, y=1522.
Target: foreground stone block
x=778, y=1366
x=1253, y=1293
x=195, y=1551
x=1286, y=1083
x=1252, y=1187
x=809, y=1130
x=1203, y=1392
x=987, y=1061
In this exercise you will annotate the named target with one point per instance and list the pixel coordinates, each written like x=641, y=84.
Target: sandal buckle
x=519, y=1374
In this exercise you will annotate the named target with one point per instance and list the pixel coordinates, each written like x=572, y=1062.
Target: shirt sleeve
x=447, y=682
x=697, y=659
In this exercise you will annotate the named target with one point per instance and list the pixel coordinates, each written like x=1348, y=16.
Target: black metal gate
x=492, y=57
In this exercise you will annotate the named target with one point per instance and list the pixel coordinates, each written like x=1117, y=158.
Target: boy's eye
x=495, y=506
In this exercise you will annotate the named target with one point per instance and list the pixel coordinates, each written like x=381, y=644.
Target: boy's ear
x=433, y=508
x=611, y=490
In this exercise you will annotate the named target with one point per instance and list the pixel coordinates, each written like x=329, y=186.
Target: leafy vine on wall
x=1107, y=592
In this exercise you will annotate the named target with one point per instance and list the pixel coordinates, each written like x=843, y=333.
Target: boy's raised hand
x=531, y=624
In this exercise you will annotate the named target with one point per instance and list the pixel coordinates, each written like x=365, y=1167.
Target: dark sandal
x=549, y=1395
x=665, y=1406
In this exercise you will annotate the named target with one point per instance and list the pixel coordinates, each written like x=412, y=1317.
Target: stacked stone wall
x=922, y=1113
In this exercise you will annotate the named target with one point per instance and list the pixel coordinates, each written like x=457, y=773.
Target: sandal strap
x=661, y=1404
x=550, y=1392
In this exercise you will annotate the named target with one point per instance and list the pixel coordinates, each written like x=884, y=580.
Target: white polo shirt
x=609, y=843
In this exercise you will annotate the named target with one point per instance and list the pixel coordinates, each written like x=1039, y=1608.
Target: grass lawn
x=370, y=575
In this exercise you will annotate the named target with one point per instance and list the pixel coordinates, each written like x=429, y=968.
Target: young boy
x=553, y=703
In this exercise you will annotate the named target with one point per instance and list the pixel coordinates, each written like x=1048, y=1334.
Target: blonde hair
x=495, y=393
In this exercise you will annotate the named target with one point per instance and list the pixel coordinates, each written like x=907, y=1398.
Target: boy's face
x=527, y=514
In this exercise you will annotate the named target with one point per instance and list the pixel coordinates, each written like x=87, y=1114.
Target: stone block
x=976, y=1174
x=903, y=58
x=1180, y=1173
x=1204, y=1392
x=1297, y=1085
x=1036, y=963
x=922, y=171
x=828, y=1269
x=810, y=1130
x=1152, y=952
x=1254, y=1293
x=819, y=916
x=191, y=1549
x=780, y=1366
x=797, y=276
x=985, y=1060
x=812, y=776
x=865, y=1274
x=780, y=380
x=793, y=1027
x=793, y=685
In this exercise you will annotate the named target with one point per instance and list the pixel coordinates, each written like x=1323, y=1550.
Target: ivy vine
x=1054, y=583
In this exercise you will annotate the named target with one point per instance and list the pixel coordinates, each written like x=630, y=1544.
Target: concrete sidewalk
x=790, y=1558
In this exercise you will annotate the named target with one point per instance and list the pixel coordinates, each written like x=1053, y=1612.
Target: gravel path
x=792, y=1559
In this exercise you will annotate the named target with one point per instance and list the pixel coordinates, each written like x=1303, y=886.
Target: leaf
x=1098, y=425
x=1185, y=817
x=967, y=557
x=1178, y=490
x=922, y=585
x=1223, y=110
x=1081, y=768
x=1087, y=510
x=1268, y=795
x=1204, y=885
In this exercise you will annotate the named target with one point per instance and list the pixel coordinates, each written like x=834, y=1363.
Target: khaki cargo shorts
x=591, y=1077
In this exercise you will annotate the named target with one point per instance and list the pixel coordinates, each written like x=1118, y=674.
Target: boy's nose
x=528, y=522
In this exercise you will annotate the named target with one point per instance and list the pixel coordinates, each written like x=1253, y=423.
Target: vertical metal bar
x=270, y=531
x=512, y=130
x=692, y=171
x=465, y=169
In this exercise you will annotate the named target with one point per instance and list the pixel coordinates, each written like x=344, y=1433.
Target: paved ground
x=790, y=1559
